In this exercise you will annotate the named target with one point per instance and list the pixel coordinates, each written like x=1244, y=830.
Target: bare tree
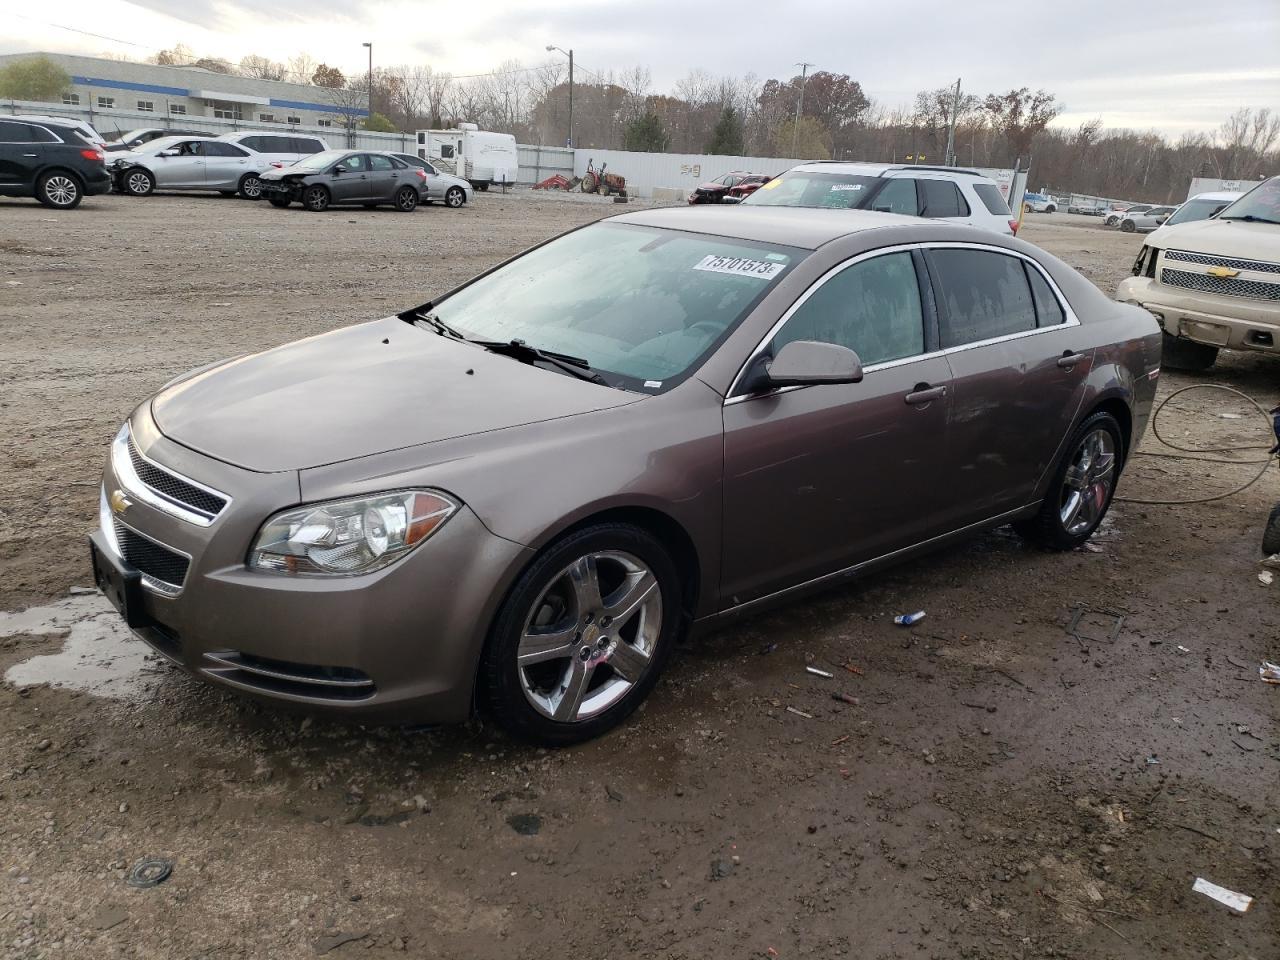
x=1246, y=137
x=261, y=68
x=301, y=68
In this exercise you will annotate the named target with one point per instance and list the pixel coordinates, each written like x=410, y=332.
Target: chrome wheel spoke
x=538, y=647
x=585, y=577
x=1076, y=478
x=1087, y=484
x=573, y=689
x=628, y=661
x=622, y=604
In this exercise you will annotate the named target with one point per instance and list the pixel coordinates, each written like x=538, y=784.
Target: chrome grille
x=162, y=568
x=1208, y=260
x=1225, y=286
x=175, y=488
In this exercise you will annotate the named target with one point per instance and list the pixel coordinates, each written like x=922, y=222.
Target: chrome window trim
x=122, y=466
x=1071, y=320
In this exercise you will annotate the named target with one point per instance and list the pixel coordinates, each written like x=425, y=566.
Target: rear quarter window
x=984, y=295
x=942, y=198
x=991, y=198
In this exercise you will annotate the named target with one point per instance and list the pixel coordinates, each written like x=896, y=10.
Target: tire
x=455, y=197
x=1051, y=209
x=316, y=198
x=59, y=189
x=1179, y=353
x=407, y=199
x=596, y=677
x=1110, y=222
x=280, y=202
x=603, y=189
x=250, y=187
x=1082, y=487
x=1271, y=535
x=139, y=182
x=1127, y=226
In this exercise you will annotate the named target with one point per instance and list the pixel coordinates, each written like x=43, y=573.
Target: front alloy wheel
x=455, y=197
x=251, y=186
x=316, y=199
x=583, y=636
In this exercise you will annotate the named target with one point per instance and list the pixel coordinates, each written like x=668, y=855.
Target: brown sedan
x=521, y=494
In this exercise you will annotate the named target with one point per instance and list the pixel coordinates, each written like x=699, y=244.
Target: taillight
x=1013, y=225
x=92, y=154
x=422, y=174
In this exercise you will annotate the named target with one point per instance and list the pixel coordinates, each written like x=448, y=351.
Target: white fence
x=682, y=171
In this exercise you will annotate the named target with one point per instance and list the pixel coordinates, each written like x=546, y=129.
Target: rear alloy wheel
x=59, y=190
x=1082, y=487
x=583, y=636
x=1179, y=353
x=1051, y=209
x=316, y=199
x=406, y=199
x=139, y=183
x=455, y=197
x=250, y=187
x=1127, y=226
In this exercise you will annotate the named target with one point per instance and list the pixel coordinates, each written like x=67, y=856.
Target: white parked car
x=1039, y=203
x=939, y=193
x=189, y=163
x=1145, y=221
x=439, y=185
x=278, y=149
x=1114, y=215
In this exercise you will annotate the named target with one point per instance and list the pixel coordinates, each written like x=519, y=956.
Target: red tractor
x=603, y=183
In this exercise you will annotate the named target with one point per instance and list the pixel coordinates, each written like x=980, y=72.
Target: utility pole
x=950, y=159
x=795, y=129
x=569, y=54
x=370, y=46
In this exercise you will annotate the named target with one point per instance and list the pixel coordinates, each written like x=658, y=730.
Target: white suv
x=941, y=193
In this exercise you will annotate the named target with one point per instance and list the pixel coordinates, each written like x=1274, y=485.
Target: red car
x=737, y=184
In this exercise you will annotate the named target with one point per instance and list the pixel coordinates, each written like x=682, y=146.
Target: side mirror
x=167, y=153
x=806, y=363
x=339, y=169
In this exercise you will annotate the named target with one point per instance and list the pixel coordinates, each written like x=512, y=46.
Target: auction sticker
x=845, y=187
x=740, y=266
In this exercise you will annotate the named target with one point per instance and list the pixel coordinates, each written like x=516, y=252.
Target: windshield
x=802, y=188
x=1260, y=203
x=1192, y=210
x=318, y=161
x=641, y=305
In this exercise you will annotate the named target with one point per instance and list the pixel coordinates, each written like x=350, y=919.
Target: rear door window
x=379, y=162
x=215, y=148
x=897, y=196
x=941, y=198
x=983, y=295
x=872, y=307
x=992, y=199
x=304, y=145
x=1049, y=312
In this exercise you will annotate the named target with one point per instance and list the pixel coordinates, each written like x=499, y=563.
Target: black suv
x=49, y=162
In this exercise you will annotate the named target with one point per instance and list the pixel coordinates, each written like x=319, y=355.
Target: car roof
x=805, y=227
x=880, y=169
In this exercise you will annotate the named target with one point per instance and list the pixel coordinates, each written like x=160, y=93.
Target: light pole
x=795, y=130
x=569, y=54
x=370, y=46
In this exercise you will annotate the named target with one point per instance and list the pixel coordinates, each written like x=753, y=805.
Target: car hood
x=359, y=391
x=1224, y=238
x=279, y=173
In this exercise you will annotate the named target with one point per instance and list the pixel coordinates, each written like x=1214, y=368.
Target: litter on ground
x=1228, y=898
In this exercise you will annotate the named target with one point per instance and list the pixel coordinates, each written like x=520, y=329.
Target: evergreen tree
x=727, y=137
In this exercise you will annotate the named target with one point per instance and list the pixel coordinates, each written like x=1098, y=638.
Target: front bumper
x=280, y=190
x=1236, y=323
x=400, y=645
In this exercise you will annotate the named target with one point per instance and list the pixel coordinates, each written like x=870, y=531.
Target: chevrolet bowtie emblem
x=119, y=502
x=1223, y=273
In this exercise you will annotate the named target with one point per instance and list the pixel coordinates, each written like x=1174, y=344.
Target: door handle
x=1069, y=360
x=923, y=393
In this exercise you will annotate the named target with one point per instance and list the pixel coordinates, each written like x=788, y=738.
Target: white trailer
x=471, y=153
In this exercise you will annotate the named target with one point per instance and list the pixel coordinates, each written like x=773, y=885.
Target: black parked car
x=365, y=177
x=49, y=162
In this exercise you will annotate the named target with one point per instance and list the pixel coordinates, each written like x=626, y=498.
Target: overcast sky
x=1172, y=65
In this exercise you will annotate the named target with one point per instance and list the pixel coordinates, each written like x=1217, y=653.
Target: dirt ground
x=1000, y=789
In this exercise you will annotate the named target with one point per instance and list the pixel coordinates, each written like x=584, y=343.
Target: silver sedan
x=1145, y=221
x=450, y=190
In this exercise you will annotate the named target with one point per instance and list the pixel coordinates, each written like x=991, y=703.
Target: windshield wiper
x=436, y=324
x=1250, y=218
x=520, y=350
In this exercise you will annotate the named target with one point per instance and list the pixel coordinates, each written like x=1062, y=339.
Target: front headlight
x=347, y=537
